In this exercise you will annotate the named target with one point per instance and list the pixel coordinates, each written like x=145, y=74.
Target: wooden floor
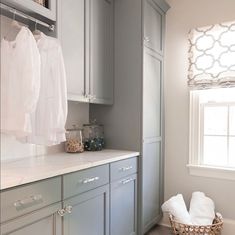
x=160, y=230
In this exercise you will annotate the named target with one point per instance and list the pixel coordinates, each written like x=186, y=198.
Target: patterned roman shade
x=212, y=56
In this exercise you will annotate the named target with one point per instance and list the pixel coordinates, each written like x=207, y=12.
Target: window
x=212, y=128
x=217, y=135
x=211, y=77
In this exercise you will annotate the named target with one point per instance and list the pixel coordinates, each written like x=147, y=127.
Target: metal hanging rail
x=51, y=27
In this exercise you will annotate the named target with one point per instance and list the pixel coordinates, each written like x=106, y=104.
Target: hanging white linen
x=20, y=83
x=212, y=56
x=49, y=118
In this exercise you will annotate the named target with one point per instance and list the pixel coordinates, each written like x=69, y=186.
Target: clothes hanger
x=15, y=23
x=36, y=31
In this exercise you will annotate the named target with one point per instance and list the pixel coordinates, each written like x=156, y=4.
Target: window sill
x=212, y=172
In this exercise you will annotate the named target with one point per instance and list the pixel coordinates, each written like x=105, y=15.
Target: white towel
x=202, y=209
x=176, y=206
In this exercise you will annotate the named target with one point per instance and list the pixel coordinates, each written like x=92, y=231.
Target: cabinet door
x=45, y=221
x=152, y=185
x=152, y=137
x=123, y=206
x=153, y=26
x=152, y=94
x=90, y=213
x=101, y=51
x=71, y=32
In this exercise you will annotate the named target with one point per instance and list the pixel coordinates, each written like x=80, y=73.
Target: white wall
x=78, y=113
x=184, y=15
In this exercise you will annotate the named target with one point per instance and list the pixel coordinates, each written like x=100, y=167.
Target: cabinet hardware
x=64, y=211
x=127, y=168
x=37, y=197
x=89, y=180
x=146, y=39
x=61, y=212
x=92, y=97
x=32, y=200
x=68, y=209
x=126, y=181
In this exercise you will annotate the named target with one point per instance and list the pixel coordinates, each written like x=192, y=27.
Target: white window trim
x=194, y=165
x=211, y=172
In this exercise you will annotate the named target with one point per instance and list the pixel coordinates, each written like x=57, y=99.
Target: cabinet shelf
x=34, y=9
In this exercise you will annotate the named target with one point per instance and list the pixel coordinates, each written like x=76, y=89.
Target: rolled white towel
x=176, y=206
x=202, y=209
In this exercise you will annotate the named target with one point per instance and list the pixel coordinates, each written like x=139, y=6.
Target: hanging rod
x=51, y=27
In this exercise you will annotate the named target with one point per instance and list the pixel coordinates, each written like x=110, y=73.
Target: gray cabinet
x=71, y=32
x=85, y=206
x=152, y=94
x=35, y=9
x=123, y=206
x=45, y=221
x=152, y=183
x=152, y=164
x=101, y=51
x=89, y=213
x=85, y=180
x=27, y=198
x=86, y=202
x=122, y=169
x=136, y=117
x=153, y=26
x=85, y=29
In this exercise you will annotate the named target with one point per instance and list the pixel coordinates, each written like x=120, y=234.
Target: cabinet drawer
x=82, y=181
x=123, y=168
x=24, y=199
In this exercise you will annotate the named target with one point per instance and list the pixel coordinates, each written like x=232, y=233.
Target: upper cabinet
x=153, y=26
x=86, y=34
x=101, y=51
x=71, y=28
x=33, y=8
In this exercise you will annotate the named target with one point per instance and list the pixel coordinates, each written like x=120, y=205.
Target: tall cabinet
x=135, y=121
x=152, y=149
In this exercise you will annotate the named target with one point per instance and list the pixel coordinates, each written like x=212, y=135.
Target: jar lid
x=75, y=128
x=92, y=125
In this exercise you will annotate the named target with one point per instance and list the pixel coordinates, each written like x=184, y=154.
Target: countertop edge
x=67, y=170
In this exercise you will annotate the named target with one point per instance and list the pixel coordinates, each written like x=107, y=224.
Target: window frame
x=228, y=105
x=195, y=165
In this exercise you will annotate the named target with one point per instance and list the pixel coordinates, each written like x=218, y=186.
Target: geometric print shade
x=212, y=56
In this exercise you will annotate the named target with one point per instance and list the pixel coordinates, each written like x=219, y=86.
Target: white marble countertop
x=27, y=170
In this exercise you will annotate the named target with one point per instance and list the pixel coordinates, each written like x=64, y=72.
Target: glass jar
x=74, y=141
x=93, y=135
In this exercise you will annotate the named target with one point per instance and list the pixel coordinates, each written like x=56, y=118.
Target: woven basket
x=184, y=229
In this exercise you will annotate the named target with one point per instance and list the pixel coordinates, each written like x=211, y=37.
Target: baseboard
x=164, y=221
x=228, y=228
